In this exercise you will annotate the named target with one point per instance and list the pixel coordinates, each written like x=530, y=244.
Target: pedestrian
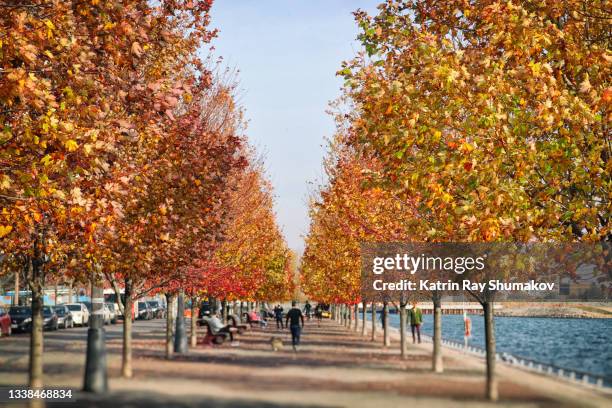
x=293, y=319
x=307, y=308
x=416, y=319
x=278, y=315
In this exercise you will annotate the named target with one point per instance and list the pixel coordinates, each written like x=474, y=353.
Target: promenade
x=334, y=367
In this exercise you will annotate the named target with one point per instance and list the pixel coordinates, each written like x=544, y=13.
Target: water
x=574, y=344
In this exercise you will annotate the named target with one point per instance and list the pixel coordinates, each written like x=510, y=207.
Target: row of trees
x=467, y=121
x=123, y=156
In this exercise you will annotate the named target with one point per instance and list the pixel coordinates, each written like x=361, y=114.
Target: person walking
x=416, y=319
x=307, y=309
x=278, y=315
x=292, y=321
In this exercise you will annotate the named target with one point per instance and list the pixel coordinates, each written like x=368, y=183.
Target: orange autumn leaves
x=489, y=120
x=116, y=140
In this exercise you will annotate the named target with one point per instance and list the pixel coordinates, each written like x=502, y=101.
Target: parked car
x=157, y=309
x=21, y=318
x=144, y=311
x=5, y=323
x=80, y=313
x=89, y=307
x=64, y=317
x=113, y=309
x=50, y=321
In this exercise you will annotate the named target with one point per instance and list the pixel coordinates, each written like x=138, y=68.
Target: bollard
x=560, y=372
x=600, y=382
x=572, y=375
x=585, y=379
x=549, y=370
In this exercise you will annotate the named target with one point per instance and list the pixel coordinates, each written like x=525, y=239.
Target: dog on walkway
x=276, y=343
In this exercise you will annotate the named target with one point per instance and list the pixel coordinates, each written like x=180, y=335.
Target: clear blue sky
x=288, y=52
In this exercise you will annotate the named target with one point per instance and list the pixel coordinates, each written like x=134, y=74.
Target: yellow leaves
x=163, y=210
x=467, y=147
x=5, y=230
x=50, y=28
x=71, y=145
x=536, y=68
x=437, y=135
x=164, y=237
x=5, y=182
x=46, y=160
x=447, y=198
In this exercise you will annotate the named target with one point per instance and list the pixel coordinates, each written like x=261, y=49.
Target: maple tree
x=111, y=158
x=492, y=116
x=349, y=210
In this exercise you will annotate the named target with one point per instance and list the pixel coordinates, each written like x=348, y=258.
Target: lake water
x=575, y=344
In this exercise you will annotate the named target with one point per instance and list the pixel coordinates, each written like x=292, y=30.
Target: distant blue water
x=575, y=344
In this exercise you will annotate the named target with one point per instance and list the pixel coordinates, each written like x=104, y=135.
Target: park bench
x=211, y=337
x=251, y=322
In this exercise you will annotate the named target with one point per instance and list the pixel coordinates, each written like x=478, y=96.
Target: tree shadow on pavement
x=142, y=399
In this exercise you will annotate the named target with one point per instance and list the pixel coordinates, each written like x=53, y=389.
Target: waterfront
x=574, y=344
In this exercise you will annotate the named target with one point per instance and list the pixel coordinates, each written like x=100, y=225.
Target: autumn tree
x=493, y=116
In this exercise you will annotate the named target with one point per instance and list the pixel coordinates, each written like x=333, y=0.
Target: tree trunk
x=403, y=333
x=36, y=336
x=356, y=314
x=437, y=365
x=492, y=392
x=126, y=358
x=180, y=340
x=16, y=297
x=387, y=336
x=169, y=325
x=194, y=329
x=70, y=293
x=373, y=321
x=241, y=310
x=55, y=294
x=224, y=313
x=363, y=318
x=347, y=316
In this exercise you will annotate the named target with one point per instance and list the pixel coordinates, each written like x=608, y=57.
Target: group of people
x=294, y=321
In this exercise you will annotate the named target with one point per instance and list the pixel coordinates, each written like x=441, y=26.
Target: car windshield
x=153, y=303
x=76, y=308
x=20, y=311
x=142, y=305
x=60, y=311
x=87, y=305
x=47, y=311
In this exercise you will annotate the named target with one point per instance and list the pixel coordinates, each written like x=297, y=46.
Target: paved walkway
x=334, y=367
